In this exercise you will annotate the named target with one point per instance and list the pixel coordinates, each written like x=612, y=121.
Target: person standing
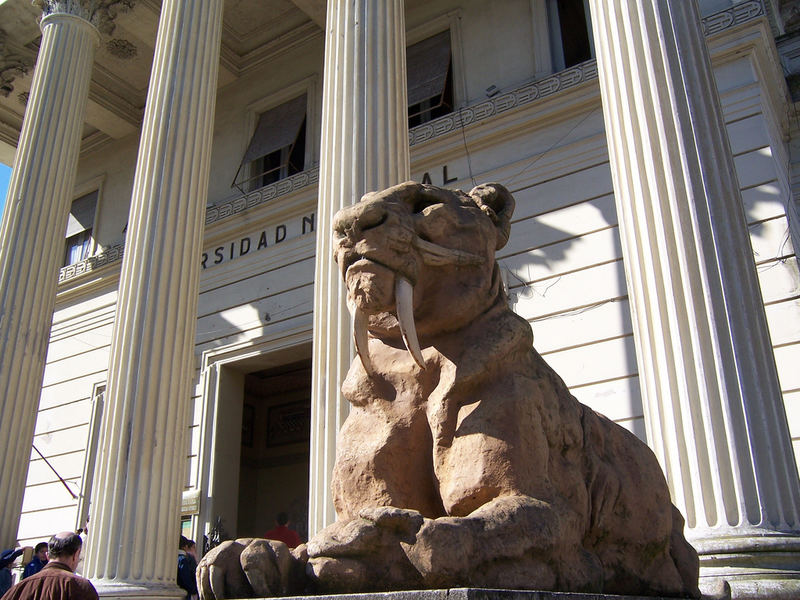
x=6, y=560
x=38, y=562
x=282, y=533
x=57, y=580
x=187, y=565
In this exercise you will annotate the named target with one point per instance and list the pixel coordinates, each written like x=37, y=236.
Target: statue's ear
x=498, y=203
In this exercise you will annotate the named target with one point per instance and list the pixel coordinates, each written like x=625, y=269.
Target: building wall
x=563, y=264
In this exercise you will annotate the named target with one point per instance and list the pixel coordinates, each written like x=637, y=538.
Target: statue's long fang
x=404, y=301
x=361, y=339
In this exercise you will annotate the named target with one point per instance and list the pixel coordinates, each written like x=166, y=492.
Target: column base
x=757, y=567
x=109, y=589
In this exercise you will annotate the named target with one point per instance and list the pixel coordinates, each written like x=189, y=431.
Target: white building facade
x=173, y=324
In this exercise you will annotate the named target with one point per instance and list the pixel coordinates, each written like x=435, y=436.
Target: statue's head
x=418, y=260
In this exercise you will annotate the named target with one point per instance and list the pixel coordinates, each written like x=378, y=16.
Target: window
x=430, y=79
x=79, y=228
x=278, y=147
x=570, y=32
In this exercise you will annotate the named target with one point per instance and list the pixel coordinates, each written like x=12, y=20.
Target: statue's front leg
x=365, y=554
x=510, y=542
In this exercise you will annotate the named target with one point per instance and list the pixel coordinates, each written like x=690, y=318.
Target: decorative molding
x=93, y=141
x=92, y=263
x=479, y=112
x=122, y=49
x=117, y=95
x=280, y=45
x=735, y=15
x=13, y=64
x=100, y=13
x=261, y=195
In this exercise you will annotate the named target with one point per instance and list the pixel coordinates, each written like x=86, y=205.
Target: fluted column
x=364, y=147
x=140, y=475
x=32, y=240
x=712, y=402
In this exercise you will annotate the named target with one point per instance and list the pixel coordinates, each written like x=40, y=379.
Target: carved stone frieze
x=261, y=195
x=12, y=65
x=738, y=13
x=503, y=102
x=122, y=49
x=100, y=13
x=92, y=263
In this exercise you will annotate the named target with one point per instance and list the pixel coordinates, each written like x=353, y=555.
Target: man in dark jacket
x=187, y=565
x=57, y=580
x=38, y=562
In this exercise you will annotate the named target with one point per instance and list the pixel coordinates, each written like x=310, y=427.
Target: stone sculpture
x=251, y=568
x=465, y=461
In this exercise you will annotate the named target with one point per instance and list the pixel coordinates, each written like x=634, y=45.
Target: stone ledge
x=476, y=594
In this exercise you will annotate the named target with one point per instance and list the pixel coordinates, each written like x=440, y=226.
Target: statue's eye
x=424, y=203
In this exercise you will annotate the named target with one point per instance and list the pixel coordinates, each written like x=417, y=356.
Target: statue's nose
x=360, y=217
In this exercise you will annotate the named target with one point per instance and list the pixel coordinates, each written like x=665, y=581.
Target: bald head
x=65, y=547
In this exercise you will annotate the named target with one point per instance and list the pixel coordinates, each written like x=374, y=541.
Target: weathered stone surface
x=219, y=573
x=465, y=461
x=506, y=480
x=251, y=568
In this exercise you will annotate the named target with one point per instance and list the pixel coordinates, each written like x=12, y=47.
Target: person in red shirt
x=282, y=533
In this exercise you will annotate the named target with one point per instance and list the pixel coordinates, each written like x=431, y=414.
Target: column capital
x=13, y=63
x=100, y=13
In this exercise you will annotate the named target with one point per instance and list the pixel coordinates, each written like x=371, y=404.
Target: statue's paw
x=365, y=554
x=220, y=575
x=374, y=529
x=337, y=575
x=344, y=538
x=266, y=565
x=402, y=522
x=443, y=551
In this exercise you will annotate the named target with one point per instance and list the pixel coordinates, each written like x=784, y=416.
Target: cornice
x=93, y=141
x=100, y=13
x=9, y=134
x=280, y=45
x=100, y=91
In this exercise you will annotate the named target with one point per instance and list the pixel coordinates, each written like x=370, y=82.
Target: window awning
x=81, y=215
x=427, y=63
x=276, y=129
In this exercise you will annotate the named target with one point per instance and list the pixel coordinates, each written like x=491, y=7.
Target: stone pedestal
x=141, y=464
x=477, y=594
x=364, y=147
x=32, y=240
x=712, y=402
